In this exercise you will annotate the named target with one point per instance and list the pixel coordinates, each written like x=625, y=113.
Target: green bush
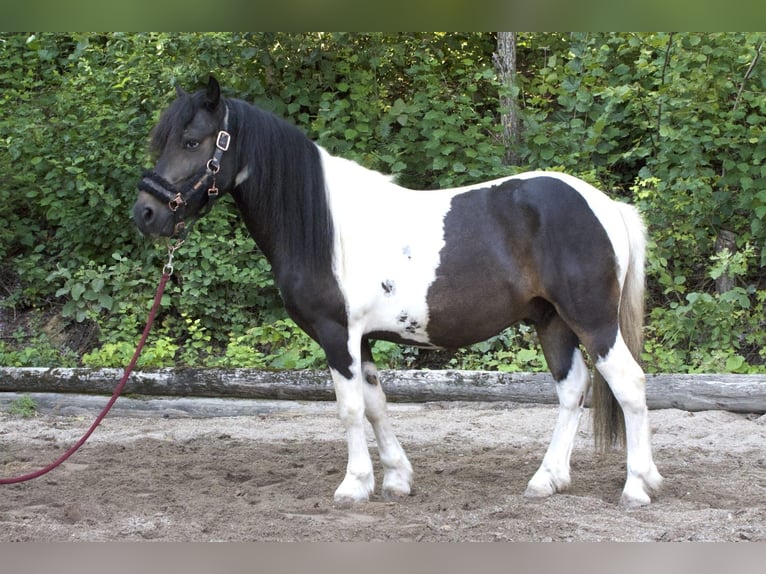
x=711, y=332
x=675, y=123
x=278, y=345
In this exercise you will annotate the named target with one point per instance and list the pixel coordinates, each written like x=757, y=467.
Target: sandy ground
x=270, y=477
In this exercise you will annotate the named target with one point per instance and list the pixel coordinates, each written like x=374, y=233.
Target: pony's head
x=193, y=167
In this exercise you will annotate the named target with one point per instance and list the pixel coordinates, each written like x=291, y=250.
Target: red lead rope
x=168, y=270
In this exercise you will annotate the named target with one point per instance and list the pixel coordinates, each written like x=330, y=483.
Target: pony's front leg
x=359, y=481
x=397, y=477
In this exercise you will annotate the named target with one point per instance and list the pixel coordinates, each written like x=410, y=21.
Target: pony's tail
x=608, y=419
x=632, y=300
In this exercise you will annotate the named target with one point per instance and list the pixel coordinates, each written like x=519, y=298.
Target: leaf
x=398, y=167
x=77, y=290
x=105, y=301
x=439, y=163
x=734, y=363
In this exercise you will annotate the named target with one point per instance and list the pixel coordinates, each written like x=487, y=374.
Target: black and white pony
x=358, y=258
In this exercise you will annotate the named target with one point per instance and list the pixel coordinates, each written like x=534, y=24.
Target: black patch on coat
x=389, y=287
x=522, y=250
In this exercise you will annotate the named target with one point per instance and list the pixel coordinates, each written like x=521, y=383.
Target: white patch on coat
x=242, y=176
x=387, y=245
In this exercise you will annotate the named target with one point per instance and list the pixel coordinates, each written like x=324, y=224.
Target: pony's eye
x=191, y=144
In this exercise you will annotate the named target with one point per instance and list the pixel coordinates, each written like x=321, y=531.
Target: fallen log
x=73, y=404
x=736, y=393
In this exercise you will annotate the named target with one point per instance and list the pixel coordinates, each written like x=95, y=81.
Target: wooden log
x=737, y=393
x=402, y=386
x=73, y=404
x=232, y=383
x=422, y=385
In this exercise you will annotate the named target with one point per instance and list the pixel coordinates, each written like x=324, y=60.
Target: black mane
x=172, y=123
x=283, y=201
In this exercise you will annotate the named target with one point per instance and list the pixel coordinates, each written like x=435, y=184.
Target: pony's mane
x=286, y=188
x=172, y=122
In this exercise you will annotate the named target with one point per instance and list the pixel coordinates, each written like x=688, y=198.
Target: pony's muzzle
x=152, y=217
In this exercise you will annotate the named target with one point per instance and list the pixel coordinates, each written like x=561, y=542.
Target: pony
x=358, y=258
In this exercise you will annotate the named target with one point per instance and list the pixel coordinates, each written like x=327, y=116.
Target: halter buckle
x=223, y=140
x=176, y=202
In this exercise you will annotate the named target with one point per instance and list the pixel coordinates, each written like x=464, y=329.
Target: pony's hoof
x=544, y=484
x=639, y=487
x=349, y=499
x=653, y=480
x=631, y=501
x=534, y=493
x=395, y=493
x=396, y=483
x=354, y=489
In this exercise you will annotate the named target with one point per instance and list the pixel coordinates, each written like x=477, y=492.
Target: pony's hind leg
x=627, y=382
x=569, y=370
x=397, y=477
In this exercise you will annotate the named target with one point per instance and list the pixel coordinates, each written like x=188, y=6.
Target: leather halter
x=176, y=199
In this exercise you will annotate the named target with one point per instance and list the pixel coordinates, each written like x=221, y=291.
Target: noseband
x=176, y=199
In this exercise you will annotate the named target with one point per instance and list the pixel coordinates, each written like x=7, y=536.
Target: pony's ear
x=212, y=94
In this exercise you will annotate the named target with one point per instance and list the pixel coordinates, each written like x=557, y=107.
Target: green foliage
x=711, y=332
x=514, y=350
x=160, y=351
x=279, y=345
x=672, y=122
x=25, y=407
x=33, y=347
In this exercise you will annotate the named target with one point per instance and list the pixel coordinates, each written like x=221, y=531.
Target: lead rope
x=167, y=271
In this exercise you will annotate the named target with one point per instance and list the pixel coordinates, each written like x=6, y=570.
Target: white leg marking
x=359, y=481
x=628, y=383
x=553, y=474
x=397, y=478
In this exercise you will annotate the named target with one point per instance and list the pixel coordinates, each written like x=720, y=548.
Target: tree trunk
x=505, y=63
x=725, y=240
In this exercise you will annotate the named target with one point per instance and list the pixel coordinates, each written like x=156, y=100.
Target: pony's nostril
x=144, y=215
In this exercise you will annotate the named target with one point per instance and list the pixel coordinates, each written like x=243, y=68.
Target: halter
x=176, y=199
